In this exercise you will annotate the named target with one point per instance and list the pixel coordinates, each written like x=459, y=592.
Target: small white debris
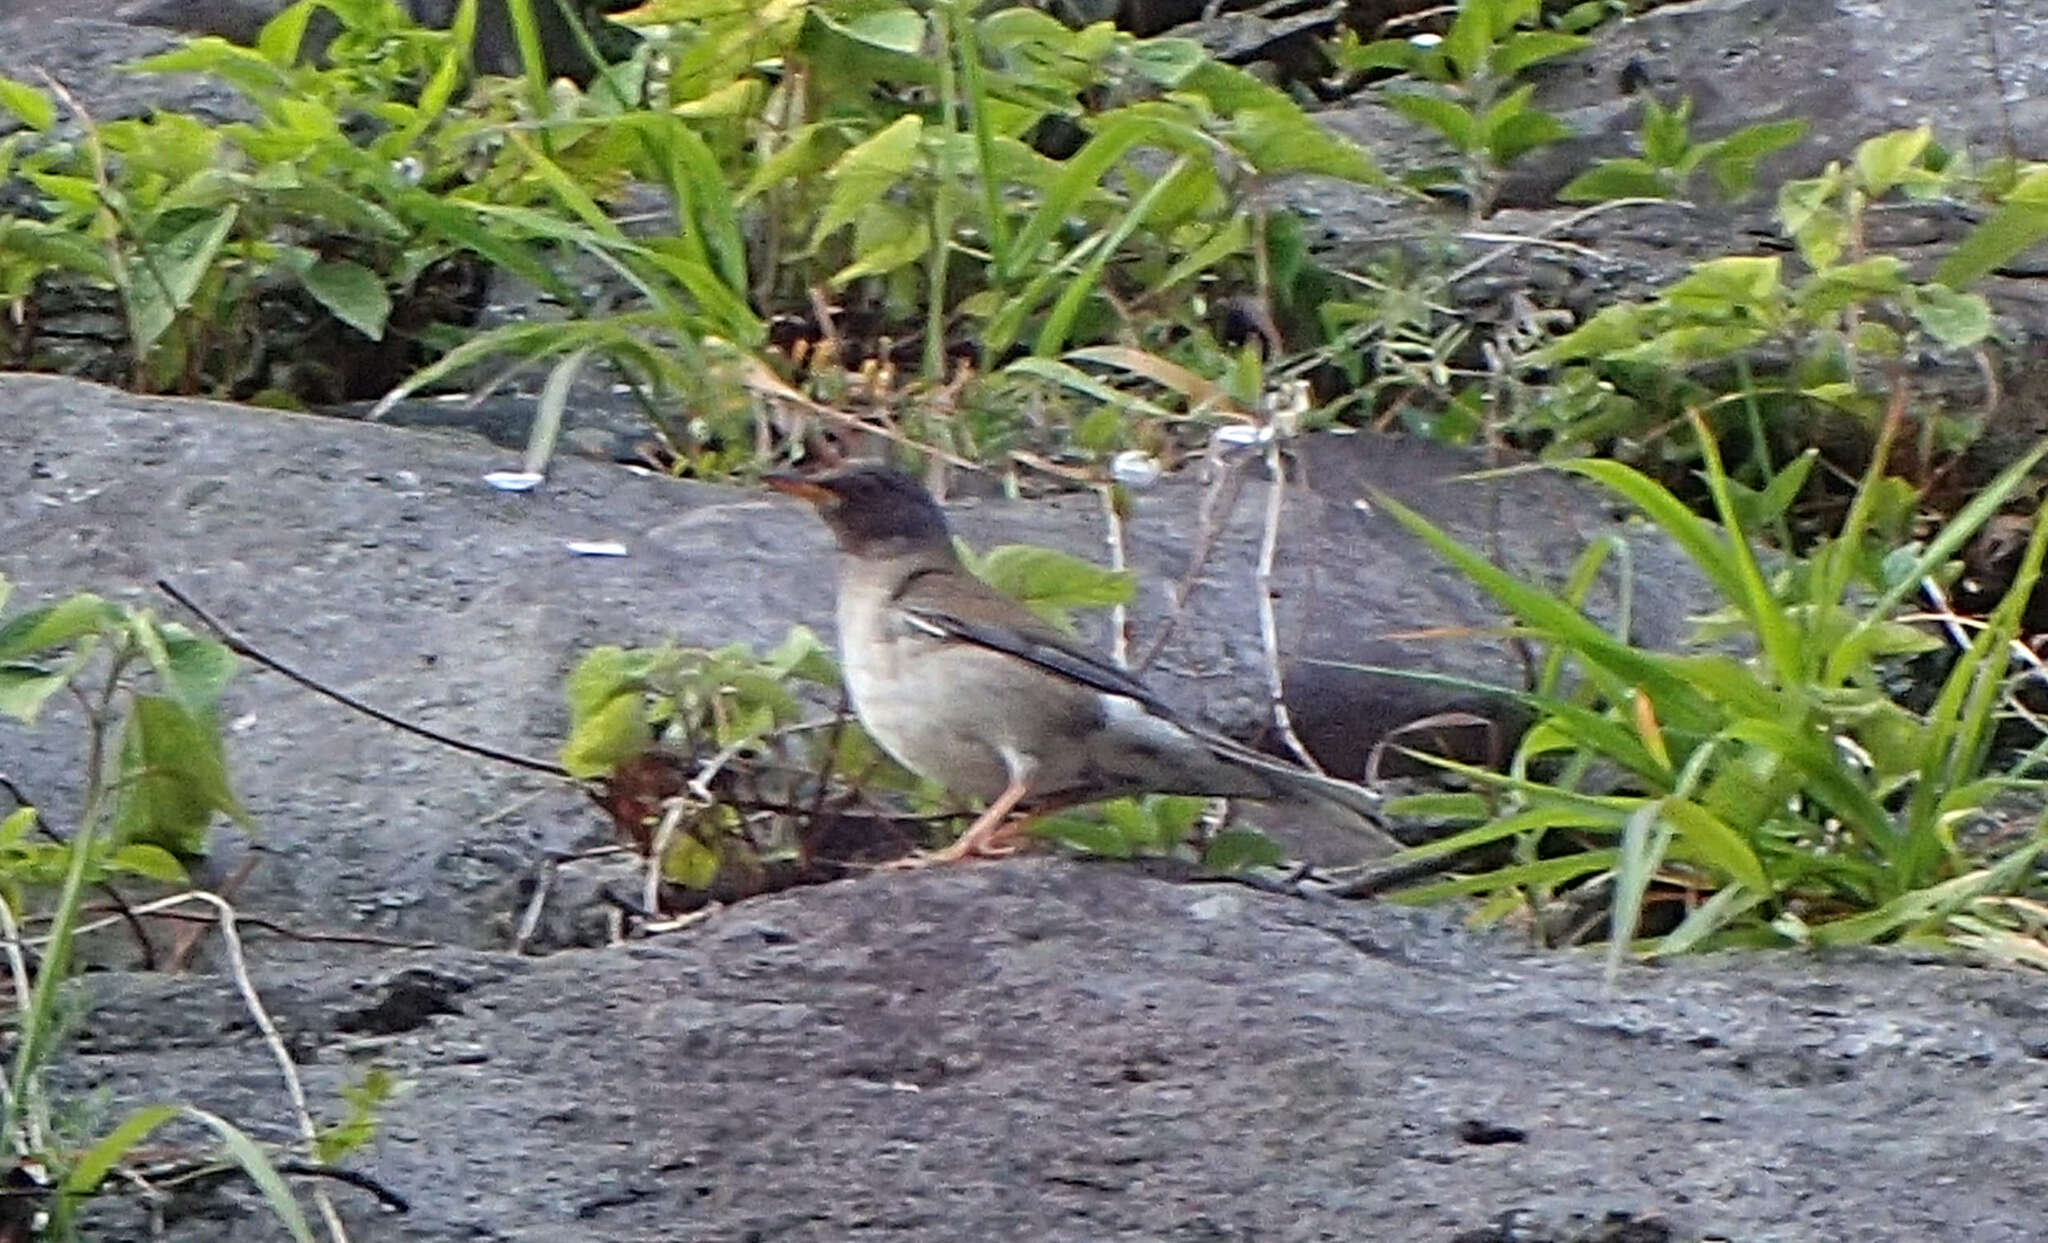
x=1136, y=469
x=515, y=480
x=1425, y=40
x=597, y=548
x=1235, y=438
x=898, y=1085
x=408, y=170
x=243, y=723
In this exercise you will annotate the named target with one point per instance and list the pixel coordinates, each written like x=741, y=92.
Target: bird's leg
x=980, y=839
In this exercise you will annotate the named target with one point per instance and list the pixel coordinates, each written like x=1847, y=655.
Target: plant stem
x=37, y=1023
x=943, y=16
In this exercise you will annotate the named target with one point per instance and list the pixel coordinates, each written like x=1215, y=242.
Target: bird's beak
x=805, y=489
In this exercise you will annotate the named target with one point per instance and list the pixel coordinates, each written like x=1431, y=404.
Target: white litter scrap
x=1135, y=469
x=597, y=548
x=515, y=480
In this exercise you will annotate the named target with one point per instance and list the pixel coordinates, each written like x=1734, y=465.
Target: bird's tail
x=1351, y=805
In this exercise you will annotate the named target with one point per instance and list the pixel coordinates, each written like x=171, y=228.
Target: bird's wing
x=952, y=604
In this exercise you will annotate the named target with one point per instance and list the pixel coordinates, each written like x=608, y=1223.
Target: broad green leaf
x=1957, y=320
x=1666, y=132
x=1052, y=583
x=1531, y=47
x=1234, y=850
x=35, y=109
x=1733, y=282
x=1617, y=179
x=601, y=676
x=1733, y=160
x=1882, y=162
x=868, y=172
x=196, y=671
x=173, y=779
x=1095, y=837
x=1835, y=289
x=1288, y=140
x=1512, y=128
x=603, y=739
x=24, y=689
x=56, y=625
x=281, y=37
x=1455, y=124
x=162, y=280
x=152, y=862
x=1471, y=36
x=690, y=863
x=352, y=292
x=885, y=237
x=1167, y=62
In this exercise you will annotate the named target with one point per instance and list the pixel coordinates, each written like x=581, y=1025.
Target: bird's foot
x=999, y=844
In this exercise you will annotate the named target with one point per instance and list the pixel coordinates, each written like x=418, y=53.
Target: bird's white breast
x=896, y=677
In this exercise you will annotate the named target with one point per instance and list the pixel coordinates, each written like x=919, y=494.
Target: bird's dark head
x=873, y=510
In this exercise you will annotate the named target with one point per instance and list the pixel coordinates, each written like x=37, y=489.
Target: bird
x=971, y=690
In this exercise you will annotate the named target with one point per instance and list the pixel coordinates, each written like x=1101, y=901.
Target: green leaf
x=1513, y=129
x=152, y=862
x=601, y=676
x=886, y=236
x=1052, y=583
x=1957, y=320
x=36, y=109
x=25, y=688
x=195, y=671
x=163, y=279
x=1168, y=63
x=1525, y=48
x=52, y=626
x=867, y=172
x=1732, y=160
x=1666, y=132
x=1454, y=123
x=690, y=863
x=1739, y=283
x=96, y=1162
x=173, y=779
x=604, y=738
x=1617, y=179
x=1710, y=840
x=353, y=293
x=282, y=36
x=261, y=1172
x=1288, y=140
x=1470, y=39
x=1091, y=836
x=1234, y=850
x=1883, y=162
x=2014, y=228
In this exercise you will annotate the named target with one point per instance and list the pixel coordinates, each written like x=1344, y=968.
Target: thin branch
x=1119, y=613
x=236, y=643
x=1219, y=501
x=238, y=967
x=1269, y=627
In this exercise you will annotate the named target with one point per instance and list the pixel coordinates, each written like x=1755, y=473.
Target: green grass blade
x=260, y=1171
x=1677, y=702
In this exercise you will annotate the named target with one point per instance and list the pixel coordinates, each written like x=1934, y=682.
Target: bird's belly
x=936, y=737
